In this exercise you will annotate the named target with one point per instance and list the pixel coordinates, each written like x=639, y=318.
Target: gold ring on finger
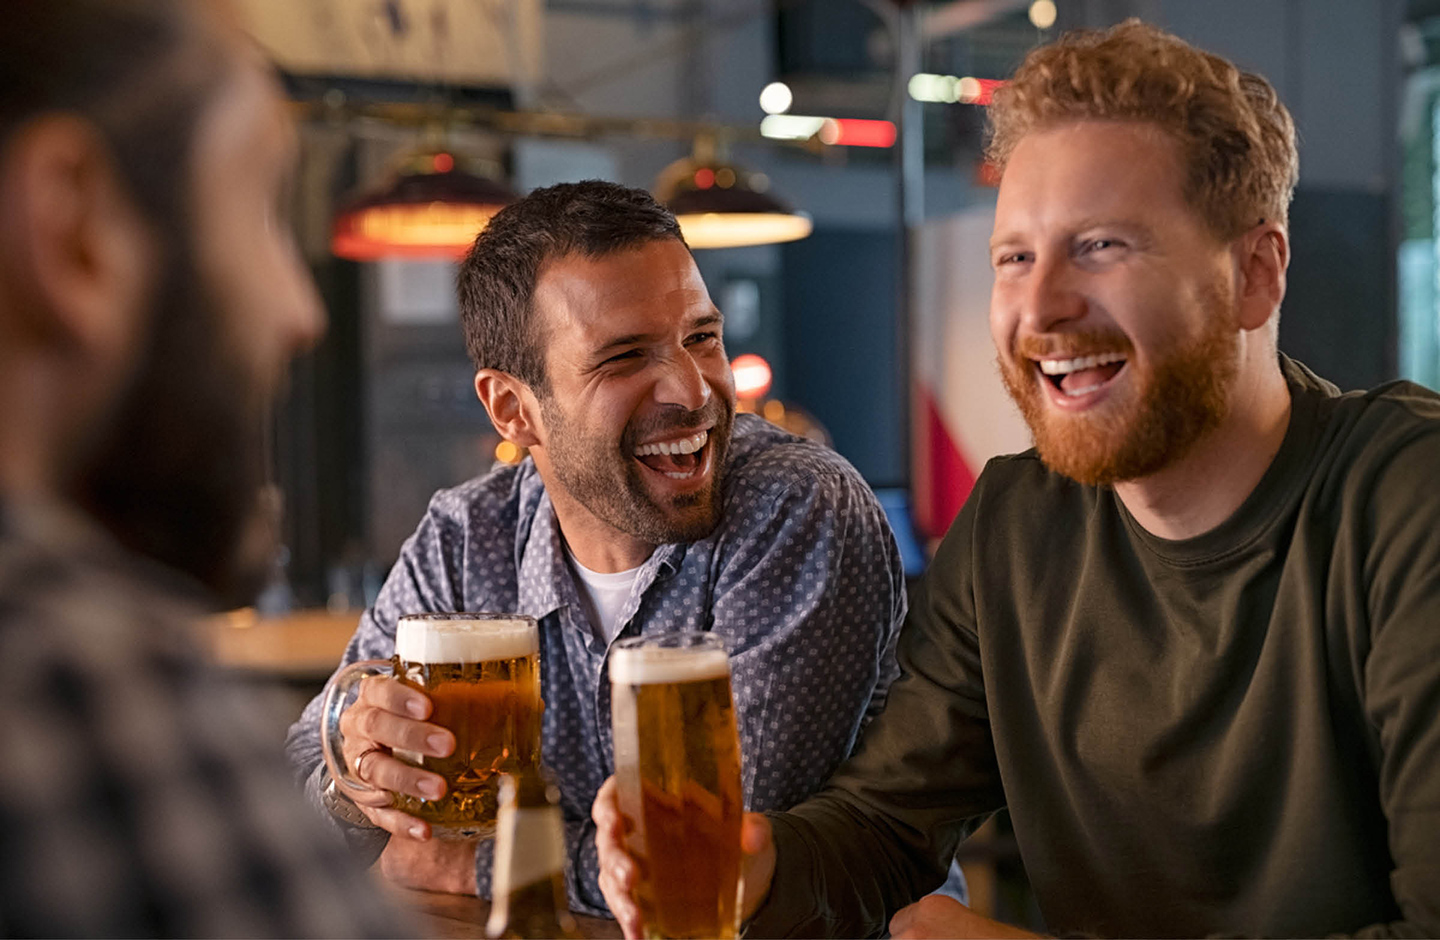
x=360, y=762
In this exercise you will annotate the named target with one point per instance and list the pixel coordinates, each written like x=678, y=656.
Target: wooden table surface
x=304, y=645
x=446, y=916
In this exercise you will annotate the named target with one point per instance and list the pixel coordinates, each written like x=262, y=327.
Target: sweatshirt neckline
x=1275, y=492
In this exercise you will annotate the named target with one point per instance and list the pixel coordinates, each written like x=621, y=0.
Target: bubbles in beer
x=482, y=675
x=677, y=765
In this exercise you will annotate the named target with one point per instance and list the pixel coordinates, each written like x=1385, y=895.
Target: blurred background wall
x=859, y=320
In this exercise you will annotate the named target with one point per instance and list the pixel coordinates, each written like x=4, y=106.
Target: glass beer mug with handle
x=677, y=770
x=482, y=673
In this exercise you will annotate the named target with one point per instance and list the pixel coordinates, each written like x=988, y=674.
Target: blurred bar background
x=873, y=325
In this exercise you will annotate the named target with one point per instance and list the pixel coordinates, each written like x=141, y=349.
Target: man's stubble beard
x=178, y=473
x=607, y=482
x=1177, y=403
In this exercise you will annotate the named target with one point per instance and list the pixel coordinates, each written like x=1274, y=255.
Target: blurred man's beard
x=1184, y=397
x=605, y=477
x=177, y=473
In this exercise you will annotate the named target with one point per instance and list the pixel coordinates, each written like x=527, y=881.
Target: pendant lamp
x=721, y=205
x=431, y=206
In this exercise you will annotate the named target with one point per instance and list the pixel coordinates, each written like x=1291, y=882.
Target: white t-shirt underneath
x=604, y=594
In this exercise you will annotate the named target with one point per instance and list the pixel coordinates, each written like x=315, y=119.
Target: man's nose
x=683, y=383
x=1050, y=297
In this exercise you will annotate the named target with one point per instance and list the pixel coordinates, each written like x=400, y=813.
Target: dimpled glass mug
x=482, y=673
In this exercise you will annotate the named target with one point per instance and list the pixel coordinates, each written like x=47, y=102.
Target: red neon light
x=704, y=177
x=444, y=163
x=854, y=132
x=752, y=375
x=987, y=89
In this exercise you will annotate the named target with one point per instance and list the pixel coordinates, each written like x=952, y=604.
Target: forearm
x=838, y=874
x=367, y=842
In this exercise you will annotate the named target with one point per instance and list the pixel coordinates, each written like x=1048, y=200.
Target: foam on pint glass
x=677, y=767
x=482, y=674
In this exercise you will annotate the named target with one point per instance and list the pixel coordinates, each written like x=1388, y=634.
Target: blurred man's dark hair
x=140, y=72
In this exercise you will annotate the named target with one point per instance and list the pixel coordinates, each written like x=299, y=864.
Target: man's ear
x=76, y=253
x=1263, y=255
x=512, y=406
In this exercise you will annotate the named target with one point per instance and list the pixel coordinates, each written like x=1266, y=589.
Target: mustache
x=716, y=412
x=1070, y=345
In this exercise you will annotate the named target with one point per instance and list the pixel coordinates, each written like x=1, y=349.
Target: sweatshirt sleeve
x=886, y=826
x=1402, y=676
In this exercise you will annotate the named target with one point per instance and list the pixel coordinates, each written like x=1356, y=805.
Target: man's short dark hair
x=498, y=277
x=140, y=71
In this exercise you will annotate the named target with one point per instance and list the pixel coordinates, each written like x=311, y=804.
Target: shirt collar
x=545, y=581
x=541, y=567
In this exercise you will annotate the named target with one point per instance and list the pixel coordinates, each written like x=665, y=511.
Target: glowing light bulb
x=776, y=98
x=1043, y=13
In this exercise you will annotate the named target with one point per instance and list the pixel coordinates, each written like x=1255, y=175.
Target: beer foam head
x=647, y=665
x=464, y=639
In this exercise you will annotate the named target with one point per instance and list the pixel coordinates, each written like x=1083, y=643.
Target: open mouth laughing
x=1080, y=376
x=679, y=458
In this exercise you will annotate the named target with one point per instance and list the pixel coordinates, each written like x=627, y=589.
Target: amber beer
x=677, y=767
x=482, y=673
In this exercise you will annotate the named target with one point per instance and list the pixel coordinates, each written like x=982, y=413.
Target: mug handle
x=332, y=742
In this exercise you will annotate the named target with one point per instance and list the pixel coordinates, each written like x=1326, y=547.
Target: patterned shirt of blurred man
x=141, y=794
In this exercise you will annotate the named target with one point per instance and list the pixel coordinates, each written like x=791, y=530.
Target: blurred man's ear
x=512, y=406
x=78, y=260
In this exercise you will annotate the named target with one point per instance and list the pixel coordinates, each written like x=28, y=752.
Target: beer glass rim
x=675, y=639
x=448, y=615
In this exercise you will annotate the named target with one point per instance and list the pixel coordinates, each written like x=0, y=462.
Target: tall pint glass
x=482, y=673
x=677, y=769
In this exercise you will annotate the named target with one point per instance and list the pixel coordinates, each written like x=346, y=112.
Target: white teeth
x=1065, y=366
x=688, y=445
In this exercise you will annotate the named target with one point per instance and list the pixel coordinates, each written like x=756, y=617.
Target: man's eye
x=1013, y=257
x=621, y=357
x=703, y=337
x=1099, y=244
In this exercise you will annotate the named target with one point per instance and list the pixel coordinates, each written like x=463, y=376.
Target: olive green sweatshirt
x=1237, y=733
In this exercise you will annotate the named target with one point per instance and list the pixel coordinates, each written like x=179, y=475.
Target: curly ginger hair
x=1237, y=139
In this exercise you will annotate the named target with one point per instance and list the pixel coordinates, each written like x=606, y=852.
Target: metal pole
x=910, y=195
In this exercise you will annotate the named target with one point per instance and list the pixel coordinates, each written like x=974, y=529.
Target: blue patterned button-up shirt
x=802, y=578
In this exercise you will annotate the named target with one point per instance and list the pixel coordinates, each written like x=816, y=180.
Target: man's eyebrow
x=629, y=339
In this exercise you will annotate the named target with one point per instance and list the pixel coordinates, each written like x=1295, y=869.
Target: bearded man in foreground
x=1192, y=640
